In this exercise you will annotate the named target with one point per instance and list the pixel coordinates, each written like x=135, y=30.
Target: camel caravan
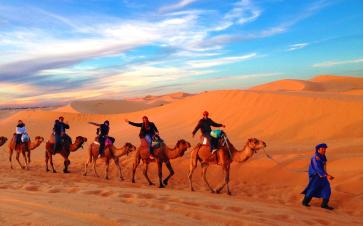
x=214, y=148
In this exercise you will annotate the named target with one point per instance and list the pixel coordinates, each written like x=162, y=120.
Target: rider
x=204, y=125
x=20, y=131
x=148, y=131
x=60, y=135
x=102, y=133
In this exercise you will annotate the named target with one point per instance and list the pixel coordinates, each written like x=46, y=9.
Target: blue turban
x=323, y=145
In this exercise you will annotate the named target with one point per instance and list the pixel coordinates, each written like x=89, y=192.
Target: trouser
x=213, y=142
x=18, y=138
x=58, y=141
x=149, y=141
x=102, y=140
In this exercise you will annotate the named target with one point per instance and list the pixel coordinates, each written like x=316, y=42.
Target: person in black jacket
x=148, y=131
x=60, y=134
x=102, y=133
x=205, y=126
x=20, y=130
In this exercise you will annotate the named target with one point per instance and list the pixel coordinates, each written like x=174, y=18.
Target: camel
x=64, y=152
x=3, y=141
x=24, y=149
x=163, y=154
x=110, y=152
x=202, y=154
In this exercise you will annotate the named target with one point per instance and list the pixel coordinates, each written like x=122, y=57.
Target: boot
x=324, y=204
x=306, y=201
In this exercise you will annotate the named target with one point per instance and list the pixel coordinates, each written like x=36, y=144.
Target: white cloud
x=335, y=63
x=176, y=6
x=220, y=61
x=297, y=46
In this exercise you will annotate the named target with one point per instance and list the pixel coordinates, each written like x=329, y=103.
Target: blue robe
x=319, y=185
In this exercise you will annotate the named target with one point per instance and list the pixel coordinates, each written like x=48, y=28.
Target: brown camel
x=202, y=154
x=24, y=149
x=162, y=155
x=3, y=141
x=64, y=151
x=109, y=153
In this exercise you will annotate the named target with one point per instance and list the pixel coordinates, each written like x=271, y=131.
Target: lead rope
x=281, y=165
x=226, y=143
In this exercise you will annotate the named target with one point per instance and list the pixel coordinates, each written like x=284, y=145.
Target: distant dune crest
x=323, y=83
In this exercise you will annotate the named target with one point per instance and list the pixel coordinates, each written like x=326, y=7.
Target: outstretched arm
x=213, y=123
x=135, y=124
x=196, y=129
x=93, y=123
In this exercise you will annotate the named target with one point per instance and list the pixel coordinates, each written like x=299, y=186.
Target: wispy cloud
x=176, y=6
x=336, y=63
x=220, y=61
x=297, y=46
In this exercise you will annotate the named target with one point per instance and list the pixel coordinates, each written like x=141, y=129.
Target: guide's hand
x=330, y=177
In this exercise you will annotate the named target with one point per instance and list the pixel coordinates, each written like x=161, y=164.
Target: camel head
x=183, y=146
x=255, y=144
x=128, y=147
x=39, y=139
x=3, y=140
x=80, y=141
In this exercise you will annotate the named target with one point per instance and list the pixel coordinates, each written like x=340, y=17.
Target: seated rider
x=148, y=131
x=20, y=132
x=102, y=133
x=60, y=135
x=204, y=125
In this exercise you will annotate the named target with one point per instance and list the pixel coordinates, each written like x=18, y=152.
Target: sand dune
x=264, y=193
x=323, y=83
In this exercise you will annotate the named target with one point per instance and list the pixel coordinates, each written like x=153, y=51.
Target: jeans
x=101, y=140
x=149, y=141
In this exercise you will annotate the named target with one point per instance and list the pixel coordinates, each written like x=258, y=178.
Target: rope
x=282, y=165
x=226, y=143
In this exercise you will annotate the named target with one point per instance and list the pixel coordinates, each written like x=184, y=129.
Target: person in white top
x=20, y=132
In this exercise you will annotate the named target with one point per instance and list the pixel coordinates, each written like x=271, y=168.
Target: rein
x=226, y=143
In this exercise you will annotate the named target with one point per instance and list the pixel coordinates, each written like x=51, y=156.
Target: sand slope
x=264, y=193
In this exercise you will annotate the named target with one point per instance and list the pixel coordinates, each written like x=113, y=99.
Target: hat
x=205, y=113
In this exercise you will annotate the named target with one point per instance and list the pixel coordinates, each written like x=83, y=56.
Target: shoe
x=306, y=201
x=151, y=156
x=214, y=150
x=325, y=205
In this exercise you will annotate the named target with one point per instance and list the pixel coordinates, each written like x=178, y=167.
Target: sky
x=54, y=52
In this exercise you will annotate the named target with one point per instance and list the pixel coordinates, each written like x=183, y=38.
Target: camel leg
x=67, y=162
x=160, y=173
x=204, y=174
x=86, y=164
x=46, y=161
x=26, y=160
x=226, y=180
x=145, y=170
x=107, y=165
x=192, y=167
x=117, y=163
x=17, y=159
x=51, y=162
x=171, y=172
x=134, y=167
x=10, y=157
x=94, y=167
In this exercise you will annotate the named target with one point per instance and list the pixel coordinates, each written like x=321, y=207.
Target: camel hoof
x=192, y=189
x=161, y=186
x=122, y=179
x=165, y=182
x=54, y=171
x=85, y=174
x=229, y=193
x=66, y=171
x=106, y=178
x=213, y=192
x=47, y=170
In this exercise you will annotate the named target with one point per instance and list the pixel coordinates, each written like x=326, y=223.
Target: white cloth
x=21, y=130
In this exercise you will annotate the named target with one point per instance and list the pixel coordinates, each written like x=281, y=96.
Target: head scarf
x=322, y=145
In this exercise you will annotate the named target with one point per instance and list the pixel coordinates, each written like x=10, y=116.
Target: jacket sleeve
x=196, y=128
x=135, y=124
x=318, y=166
x=66, y=126
x=212, y=123
x=155, y=129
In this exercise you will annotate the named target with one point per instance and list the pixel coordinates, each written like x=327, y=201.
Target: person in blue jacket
x=319, y=186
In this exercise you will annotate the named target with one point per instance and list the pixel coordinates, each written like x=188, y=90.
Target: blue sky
x=56, y=51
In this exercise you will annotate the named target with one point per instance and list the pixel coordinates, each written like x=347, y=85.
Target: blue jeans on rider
x=149, y=141
x=102, y=140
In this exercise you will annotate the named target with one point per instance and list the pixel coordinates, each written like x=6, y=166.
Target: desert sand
x=291, y=116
